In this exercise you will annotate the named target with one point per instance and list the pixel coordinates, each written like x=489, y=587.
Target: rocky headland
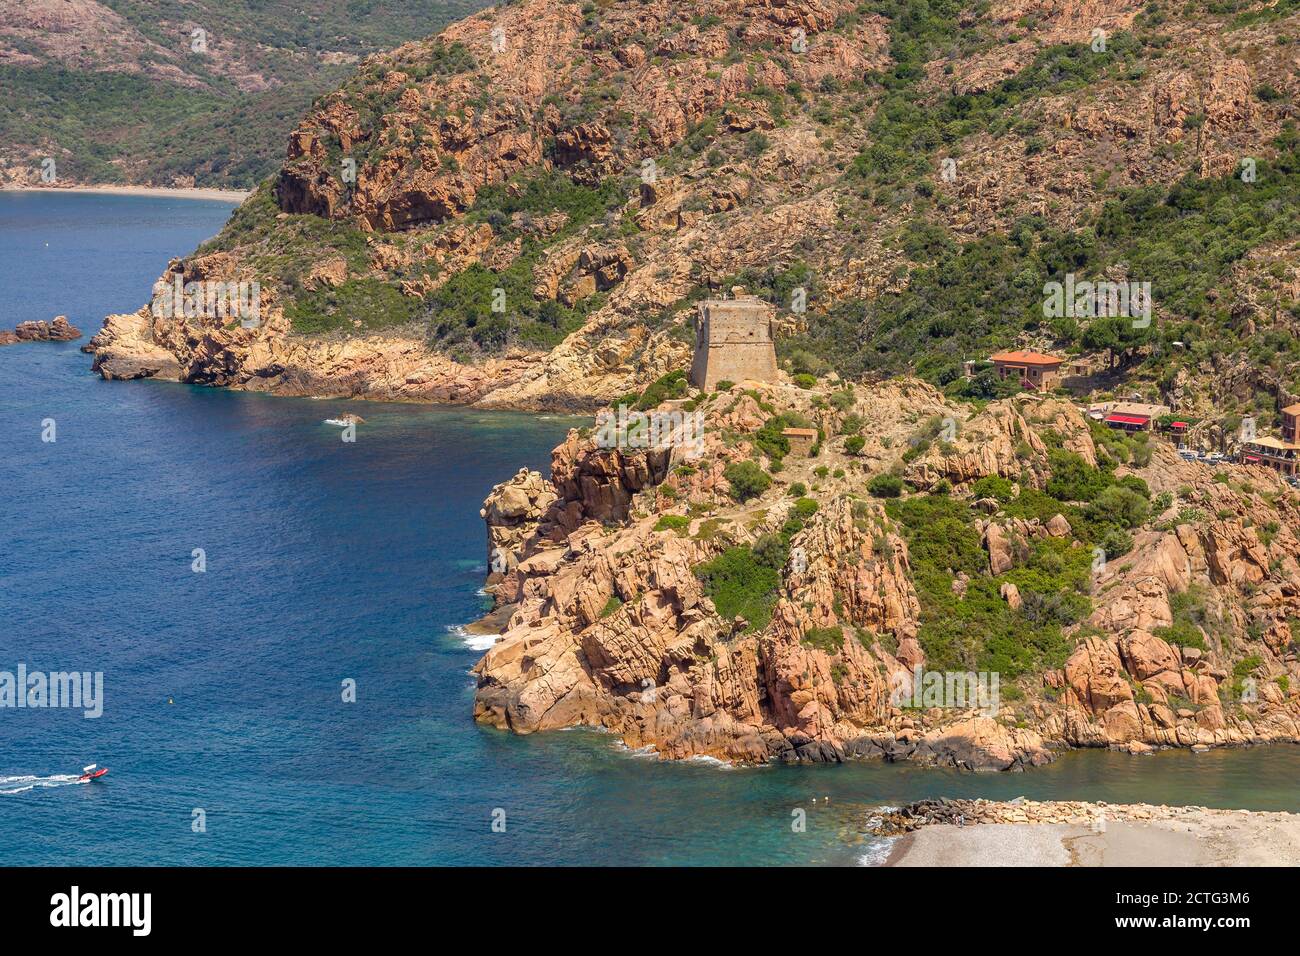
x=525, y=210
x=645, y=598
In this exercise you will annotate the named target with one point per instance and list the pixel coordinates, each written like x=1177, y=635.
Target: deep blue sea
x=329, y=561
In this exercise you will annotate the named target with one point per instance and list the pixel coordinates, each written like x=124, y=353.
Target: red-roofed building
x=1034, y=370
x=1129, y=423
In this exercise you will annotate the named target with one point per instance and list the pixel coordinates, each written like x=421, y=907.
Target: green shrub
x=1246, y=665
x=978, y=630
x=805, y=380
x=740, y=586
x=672, y=385
x=746, y=479
x=842, y=400
x=1120, y=506
x=992, y=486
x=1181, y=634
x=1191, y=620
x=771, y=551
x=853, y=444
x=805, y=508
x=798, y=489
x=885, y=486
x=828, y=639
x=677, y=523
x=1115, y=543
x=1073, y=479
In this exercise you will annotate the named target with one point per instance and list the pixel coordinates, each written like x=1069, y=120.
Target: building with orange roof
x=1034, y=370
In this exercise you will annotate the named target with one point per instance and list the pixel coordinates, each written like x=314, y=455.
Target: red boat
x=90, y=773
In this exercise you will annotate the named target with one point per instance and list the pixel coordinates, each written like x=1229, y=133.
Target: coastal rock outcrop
x=606, y=584
x=57, y=330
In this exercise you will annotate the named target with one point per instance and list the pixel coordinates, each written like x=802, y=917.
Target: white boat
x=344, y=420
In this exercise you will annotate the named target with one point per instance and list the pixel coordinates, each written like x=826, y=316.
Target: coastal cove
x=328, y=561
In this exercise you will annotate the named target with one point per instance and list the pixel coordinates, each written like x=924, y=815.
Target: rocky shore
x=393, y=366
x=945, y=832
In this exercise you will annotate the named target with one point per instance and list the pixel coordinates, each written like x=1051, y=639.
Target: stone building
x=801, y=440
x=734, y=341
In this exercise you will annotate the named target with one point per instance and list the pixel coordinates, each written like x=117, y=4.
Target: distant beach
x=1142, y=836
x=220, y=195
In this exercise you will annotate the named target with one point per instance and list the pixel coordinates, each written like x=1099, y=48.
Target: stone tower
x=733, y=341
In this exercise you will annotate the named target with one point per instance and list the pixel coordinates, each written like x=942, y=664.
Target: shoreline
x=174, y=192
x=1073, y=834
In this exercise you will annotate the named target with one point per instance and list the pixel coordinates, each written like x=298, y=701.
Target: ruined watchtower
x=733, y=341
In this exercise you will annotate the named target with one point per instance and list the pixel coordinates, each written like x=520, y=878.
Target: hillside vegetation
x=115, y=92
x=903, y=180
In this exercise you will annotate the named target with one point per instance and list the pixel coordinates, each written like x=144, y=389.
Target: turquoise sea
x=326, y=562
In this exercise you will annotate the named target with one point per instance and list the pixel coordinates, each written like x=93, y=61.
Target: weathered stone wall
x=733, y=342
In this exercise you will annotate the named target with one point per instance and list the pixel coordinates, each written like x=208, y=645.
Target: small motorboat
x=90, y=773
x=344, y=420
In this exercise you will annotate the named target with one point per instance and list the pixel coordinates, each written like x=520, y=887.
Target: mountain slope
x=604, y=165
x=127, y=91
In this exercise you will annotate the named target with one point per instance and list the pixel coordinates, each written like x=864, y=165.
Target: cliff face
x=1185, y=639
x=522, y=210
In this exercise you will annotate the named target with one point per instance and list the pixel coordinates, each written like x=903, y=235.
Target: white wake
x=21, y=784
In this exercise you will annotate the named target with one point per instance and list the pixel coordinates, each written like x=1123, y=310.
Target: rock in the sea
x=56, y=331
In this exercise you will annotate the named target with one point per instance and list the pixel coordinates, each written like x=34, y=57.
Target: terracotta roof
x=803, y=432
x=1292, y=409
x=1026, y=358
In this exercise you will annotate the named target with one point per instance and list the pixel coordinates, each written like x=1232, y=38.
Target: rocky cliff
x=619, y=576
x=523, y=209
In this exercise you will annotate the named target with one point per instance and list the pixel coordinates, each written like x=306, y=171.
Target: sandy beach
x=221, y=195
x=1181, y=836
